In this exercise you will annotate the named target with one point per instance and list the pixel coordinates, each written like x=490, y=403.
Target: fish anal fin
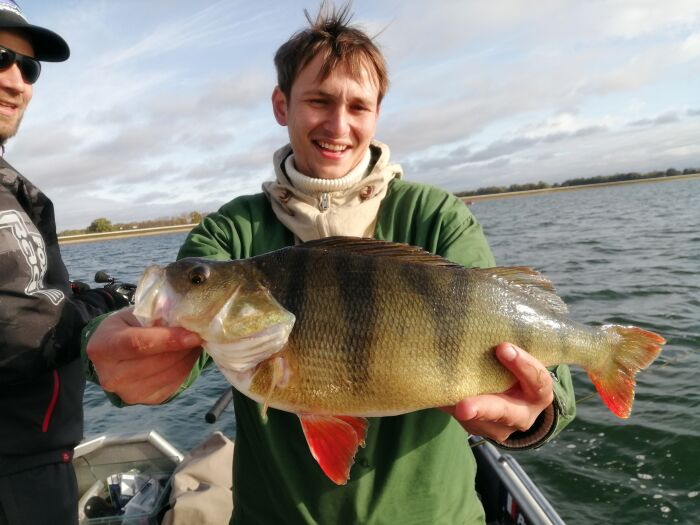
x=333, y=441
x=530, y=282
x=615, y=380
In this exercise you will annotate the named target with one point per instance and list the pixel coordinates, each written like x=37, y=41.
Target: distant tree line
x=581, y=181
x=102, y=224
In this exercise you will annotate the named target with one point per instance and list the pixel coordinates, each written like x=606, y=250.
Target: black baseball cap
x=48, y=46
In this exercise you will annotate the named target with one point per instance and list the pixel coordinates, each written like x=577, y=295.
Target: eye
x=198, y=274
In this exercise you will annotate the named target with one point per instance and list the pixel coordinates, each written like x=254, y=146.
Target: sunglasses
x=30, y=67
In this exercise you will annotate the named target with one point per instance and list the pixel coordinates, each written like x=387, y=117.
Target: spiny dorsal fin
x=526, y=279
x=368, y=246
x=531, y=282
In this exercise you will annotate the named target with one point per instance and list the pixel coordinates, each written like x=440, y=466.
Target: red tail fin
x=635, y=350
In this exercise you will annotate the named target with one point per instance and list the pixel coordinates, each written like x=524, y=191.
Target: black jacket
x=41, y=380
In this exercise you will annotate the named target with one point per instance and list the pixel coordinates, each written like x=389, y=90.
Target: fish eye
x=198, y=274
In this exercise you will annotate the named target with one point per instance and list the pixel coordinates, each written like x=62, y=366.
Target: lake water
x=622, y=254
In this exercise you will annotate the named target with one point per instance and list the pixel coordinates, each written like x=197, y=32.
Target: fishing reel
x=115, y=288
x=126, y=290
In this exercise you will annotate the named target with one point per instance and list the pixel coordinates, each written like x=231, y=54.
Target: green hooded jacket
x=416, y=468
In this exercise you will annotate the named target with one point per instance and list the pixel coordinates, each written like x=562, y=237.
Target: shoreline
x=491, y=196
x=183, y=228
x=123, y=234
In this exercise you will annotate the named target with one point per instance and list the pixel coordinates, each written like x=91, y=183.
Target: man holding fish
x=334, y=179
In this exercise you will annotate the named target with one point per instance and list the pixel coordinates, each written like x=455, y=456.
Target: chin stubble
x=4, y=137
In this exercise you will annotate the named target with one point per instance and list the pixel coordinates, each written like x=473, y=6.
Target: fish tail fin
x=633, y=350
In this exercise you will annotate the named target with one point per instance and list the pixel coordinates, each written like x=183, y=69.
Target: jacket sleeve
x=38, y=335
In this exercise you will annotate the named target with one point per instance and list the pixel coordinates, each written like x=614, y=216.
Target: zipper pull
x=324, y=202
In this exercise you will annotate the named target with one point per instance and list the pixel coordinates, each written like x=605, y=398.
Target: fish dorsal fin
x=375, y=247
x=530, y=282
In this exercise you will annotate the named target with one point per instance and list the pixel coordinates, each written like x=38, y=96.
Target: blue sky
x=164, y=106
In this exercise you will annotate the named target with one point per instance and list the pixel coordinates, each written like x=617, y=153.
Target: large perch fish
x=341, y=329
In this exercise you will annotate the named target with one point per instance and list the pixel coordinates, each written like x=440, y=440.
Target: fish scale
x=420, y=350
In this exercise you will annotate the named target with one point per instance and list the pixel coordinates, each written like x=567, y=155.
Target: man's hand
x=141, y=365
x=497, y=416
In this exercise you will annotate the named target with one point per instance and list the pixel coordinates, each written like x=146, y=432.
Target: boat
x=507, y=493
x=97, y=459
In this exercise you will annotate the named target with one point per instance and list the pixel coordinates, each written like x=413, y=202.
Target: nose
x=338, y=123
x=11, y=78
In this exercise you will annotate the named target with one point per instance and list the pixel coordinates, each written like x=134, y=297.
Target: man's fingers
x=533, y=378
x=155, y=340
x=118, y=340
x=495, y=409
x=497, y=415
x=489, y=430
x=129, y=371
x=151, y=388
x=141, y=365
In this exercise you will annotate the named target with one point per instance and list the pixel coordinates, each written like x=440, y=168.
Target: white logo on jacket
x=32, y=247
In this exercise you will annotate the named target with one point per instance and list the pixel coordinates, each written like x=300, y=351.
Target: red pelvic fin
x=634, y=351
x=333, y=441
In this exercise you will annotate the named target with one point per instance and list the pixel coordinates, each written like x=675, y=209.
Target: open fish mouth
x=153, y=298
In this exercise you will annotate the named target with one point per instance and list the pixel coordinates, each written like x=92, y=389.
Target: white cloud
x=167, y=103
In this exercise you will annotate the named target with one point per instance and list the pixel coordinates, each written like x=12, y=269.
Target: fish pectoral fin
x=278, y=379
x=240, y=355
x=333, y=441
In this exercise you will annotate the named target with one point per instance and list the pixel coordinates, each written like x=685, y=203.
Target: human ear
x=279, y=106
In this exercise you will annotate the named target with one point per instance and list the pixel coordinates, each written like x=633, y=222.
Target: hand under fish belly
x=341, y=329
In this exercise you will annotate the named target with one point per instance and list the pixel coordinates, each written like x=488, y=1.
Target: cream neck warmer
x=312, y=209
x=313, y=185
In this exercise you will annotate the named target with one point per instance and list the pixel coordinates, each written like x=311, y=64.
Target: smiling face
x=15, y=93
x=331, y=121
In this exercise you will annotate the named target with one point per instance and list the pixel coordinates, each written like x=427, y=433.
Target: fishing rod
x=215, y=411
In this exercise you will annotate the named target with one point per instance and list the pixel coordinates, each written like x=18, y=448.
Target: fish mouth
x=153, y=298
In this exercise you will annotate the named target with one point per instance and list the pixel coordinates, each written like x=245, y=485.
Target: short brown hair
x=340, y=44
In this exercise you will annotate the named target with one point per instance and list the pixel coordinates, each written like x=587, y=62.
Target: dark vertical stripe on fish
x=431, y=288
x=356, y=281
x=289, y=281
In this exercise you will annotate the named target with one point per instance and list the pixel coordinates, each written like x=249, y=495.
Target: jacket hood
x=351, y=211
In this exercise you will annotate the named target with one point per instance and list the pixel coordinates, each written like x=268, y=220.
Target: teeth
x=332, y=147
